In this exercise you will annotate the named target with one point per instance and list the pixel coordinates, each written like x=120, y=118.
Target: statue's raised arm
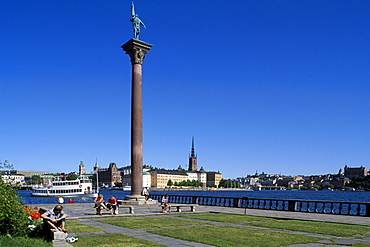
x=136, y=22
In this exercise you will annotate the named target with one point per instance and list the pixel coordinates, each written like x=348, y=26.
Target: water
x=345, y=196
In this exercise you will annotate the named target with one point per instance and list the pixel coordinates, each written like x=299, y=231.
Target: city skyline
x=274, y=86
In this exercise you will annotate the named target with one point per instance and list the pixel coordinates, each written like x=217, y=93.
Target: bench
x=121, y=205
x=179, y=206
x=131, y=208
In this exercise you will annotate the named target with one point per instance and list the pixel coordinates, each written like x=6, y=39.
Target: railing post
x=367, y=211
x=291, y=205
x=195, y=200
x=236, y=202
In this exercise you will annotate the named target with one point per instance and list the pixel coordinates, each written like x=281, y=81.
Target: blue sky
x=274, y=86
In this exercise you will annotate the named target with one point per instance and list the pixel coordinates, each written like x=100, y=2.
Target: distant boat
x=69, y=188
x=257, y=187
x=127, y=187
x=328, y=189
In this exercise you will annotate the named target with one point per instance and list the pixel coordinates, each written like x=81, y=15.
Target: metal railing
x=307, y=206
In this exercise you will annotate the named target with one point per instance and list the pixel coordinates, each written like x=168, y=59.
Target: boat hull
x=63, y=195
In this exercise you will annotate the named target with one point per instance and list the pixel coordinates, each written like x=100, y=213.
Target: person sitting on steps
x=55, y=219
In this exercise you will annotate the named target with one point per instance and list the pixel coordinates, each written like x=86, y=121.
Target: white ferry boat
x=69, y=188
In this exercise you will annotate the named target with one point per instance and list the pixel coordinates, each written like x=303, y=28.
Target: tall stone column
x=136, y=49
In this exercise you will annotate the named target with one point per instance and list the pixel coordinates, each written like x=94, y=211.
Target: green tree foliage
x=118, y=184
x=229, y=183
x=189, y=183
x=71, y=177
x=36, y=179
x=328, y=186
x=13, y=218
x=360, y=183
x=169, y=183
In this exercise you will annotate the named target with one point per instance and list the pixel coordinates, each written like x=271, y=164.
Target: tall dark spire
x=192, y=153
x=193, y=157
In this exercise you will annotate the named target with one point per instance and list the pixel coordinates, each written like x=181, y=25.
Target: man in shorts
x=55, y=219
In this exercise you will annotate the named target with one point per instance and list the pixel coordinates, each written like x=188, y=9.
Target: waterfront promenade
x=86, y=210
x=85, y=213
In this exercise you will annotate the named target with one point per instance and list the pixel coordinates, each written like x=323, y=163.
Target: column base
x=134, y=200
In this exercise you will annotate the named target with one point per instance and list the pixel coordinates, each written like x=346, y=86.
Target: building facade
x=213, y=179
x=350, y=172
x=81, y=168
x=110, y=175
x=160, y=178
x=12, y=178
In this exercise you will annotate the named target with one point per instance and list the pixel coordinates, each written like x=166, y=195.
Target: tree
x=169, y=183
x=71, y=177
x=13, y=218
x=118, y=184
x=36, y=179
x=360, y=183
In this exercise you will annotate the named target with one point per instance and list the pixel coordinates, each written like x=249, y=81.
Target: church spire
x=192, y=153
x=193, y=157
x=96, y=167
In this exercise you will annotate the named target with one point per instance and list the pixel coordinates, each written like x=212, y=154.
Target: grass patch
x=6, y=241
x=229, y=218
x=111, y=239
x=74, y=226
x=235, y=236
x=335, y=229
x=149, y=222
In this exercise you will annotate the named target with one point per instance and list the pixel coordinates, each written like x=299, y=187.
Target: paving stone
x=171, y=242
x=114, y=231
x=132, y=234
x=59, y=243
x=345, y=241
x=179, y=245
x=333, y=245
x=319, y=236
x=307, y=245
x=198, y=244
x=325, y=241
x=157, y=240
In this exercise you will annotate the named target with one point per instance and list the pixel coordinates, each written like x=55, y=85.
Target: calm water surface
x=346, y=196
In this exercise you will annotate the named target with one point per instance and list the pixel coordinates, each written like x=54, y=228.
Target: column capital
x=136, y=49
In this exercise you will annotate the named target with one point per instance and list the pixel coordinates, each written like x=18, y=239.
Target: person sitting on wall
x=165, y=205
x=145, y=193
x=100, y=204
x=55, y=219
x=112, y=205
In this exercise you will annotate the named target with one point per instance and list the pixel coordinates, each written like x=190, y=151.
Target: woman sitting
x=112, y=205
x=100, y=204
